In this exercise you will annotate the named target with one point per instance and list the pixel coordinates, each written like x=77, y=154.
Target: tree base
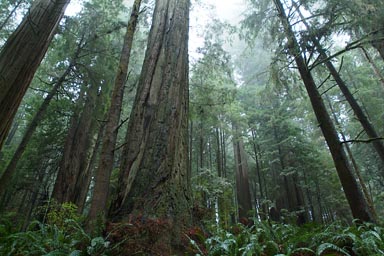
x=149, y=236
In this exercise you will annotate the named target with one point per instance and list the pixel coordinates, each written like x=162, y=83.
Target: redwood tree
x=22, y=54
x=153, y=177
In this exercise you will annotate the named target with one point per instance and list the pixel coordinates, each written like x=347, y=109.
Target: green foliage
x=208, y=182
x=311, y=239
x=58, y=214
x=62, y=235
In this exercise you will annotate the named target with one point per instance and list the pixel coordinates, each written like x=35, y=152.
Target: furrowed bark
x=153, y=178
x=22, y=54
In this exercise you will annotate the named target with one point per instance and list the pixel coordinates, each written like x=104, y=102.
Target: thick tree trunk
x=106, y=163
x=75, y=156
x=356, y=200
x=242, y=180
x=22, y=54
x=153, y=179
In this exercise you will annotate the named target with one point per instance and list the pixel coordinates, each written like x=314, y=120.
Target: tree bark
x=153, y=176
x=106, y=163
x=22, y=54
x=355, y=198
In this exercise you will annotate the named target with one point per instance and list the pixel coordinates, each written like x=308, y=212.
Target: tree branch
x=362, y=141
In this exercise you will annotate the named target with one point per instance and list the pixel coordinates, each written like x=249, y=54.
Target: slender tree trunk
x=318, y=198
x=353, y=161
x=374, y=67
x=219, y=161
x=264, y=210
x=309, y=196
x=224, y=152
x=355, y=198
x=32, y=203
x=22, y=54
x=190, y=160
x=242, y=179
x=82, y=198
x=106, y=163
x=153, y=177
x=11, y=167
x=357, y=110
x=201, y=162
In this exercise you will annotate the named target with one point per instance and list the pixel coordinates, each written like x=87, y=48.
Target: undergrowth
x=266, y=239
x=62, y=234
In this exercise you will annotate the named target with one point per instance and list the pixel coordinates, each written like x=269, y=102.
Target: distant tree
x=242, y=177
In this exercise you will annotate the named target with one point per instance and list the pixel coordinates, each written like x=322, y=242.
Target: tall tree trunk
x=22, y=54
x=263, y=207
x=356, y=200
x=75, y=157
x=319, y=202
x=224, y=154
x=11, y=167
x=357, y=110
x=86, y=178
x=153, y=178
x=242, y=178
x=106, y=163
x=353, y=161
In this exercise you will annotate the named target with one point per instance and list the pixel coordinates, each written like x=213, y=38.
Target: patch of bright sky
x=202, y=14
x=73, y=8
